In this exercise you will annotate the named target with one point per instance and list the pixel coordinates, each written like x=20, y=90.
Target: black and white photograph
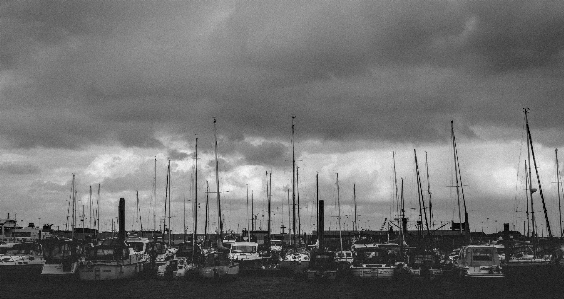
x=281, y=149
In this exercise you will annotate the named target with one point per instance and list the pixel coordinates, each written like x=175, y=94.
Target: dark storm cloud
x=266, y=153
x=177, y=155
x=80, y=73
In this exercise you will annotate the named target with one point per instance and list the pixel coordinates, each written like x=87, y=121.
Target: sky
x=103, y=89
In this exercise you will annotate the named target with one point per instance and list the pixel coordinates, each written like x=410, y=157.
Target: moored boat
x=21, y=260
x=62, y=258
x=478, y=261
x=372, y=261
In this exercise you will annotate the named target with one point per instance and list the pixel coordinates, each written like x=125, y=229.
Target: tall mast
x=558, y=187
x=317, y=197
x=293, y=188
x=537, y=173
x=289, y=218
x=248, y=224
x=354, y=199
x=220, y=222
x=207, y=211
x=339, y=213
x=456, y=176
x=90, y=213
x=252, y=210
x=98, y=211
x=169, y=202
x=155, y=198
x=196, y=198
x=395, y=185
x=429, y=192
x=166, y=203
x=527, y=188
x=421, y=199
x=298, y=194
x=137, y=219
x=73, y=205
x=269, y=207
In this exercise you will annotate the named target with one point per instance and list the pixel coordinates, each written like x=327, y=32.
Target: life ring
x=89, y=264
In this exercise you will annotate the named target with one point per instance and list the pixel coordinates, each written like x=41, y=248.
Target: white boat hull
x=58, y=270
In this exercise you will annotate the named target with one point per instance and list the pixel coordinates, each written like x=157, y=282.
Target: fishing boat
x=478, y=261
x=21, y=260
x=62, y=258
x=373, y=261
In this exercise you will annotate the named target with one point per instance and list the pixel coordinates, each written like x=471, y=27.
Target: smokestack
x=121, y=219
x=321, y=226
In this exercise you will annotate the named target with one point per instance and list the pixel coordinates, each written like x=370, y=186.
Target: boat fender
x=89, y=264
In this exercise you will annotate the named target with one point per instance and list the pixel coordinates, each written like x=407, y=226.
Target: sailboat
x=538, y=266
x=216, y=263
x=295, y=260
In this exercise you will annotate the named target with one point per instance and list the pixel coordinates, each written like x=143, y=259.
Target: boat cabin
x=244, y=251
x=479, y=261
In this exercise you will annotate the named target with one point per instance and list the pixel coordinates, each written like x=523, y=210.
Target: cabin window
x=482, y=254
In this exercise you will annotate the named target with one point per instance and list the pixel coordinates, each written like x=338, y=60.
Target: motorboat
x=62, y=258
x=21, y=260
x=478, y=261
x=112, y=259
x=373, y=261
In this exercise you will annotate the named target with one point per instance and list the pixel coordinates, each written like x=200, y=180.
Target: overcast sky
x=100, y=89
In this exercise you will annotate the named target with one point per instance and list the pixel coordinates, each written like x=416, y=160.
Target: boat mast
x=73, y=190
x=220, y=222
x=527, y=188
x=317, y=197
x=537, y=173
x=169, y=203
x=558, y=187
x=269, y=209
x=196, y=198
x=298, y=195
x=339, y=213
x=354, y=199
x=429, y=192
x=248, y=224
x=98, y=211
x=403, y=221
x=155, y=198
x=396, y=188
x=420, y=195
x=166, y=199
x=458, y=184
x=90, y=212
x=207, y=211
x=293, y=187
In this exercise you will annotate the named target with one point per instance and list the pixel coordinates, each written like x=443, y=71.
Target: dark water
x=277, y=287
